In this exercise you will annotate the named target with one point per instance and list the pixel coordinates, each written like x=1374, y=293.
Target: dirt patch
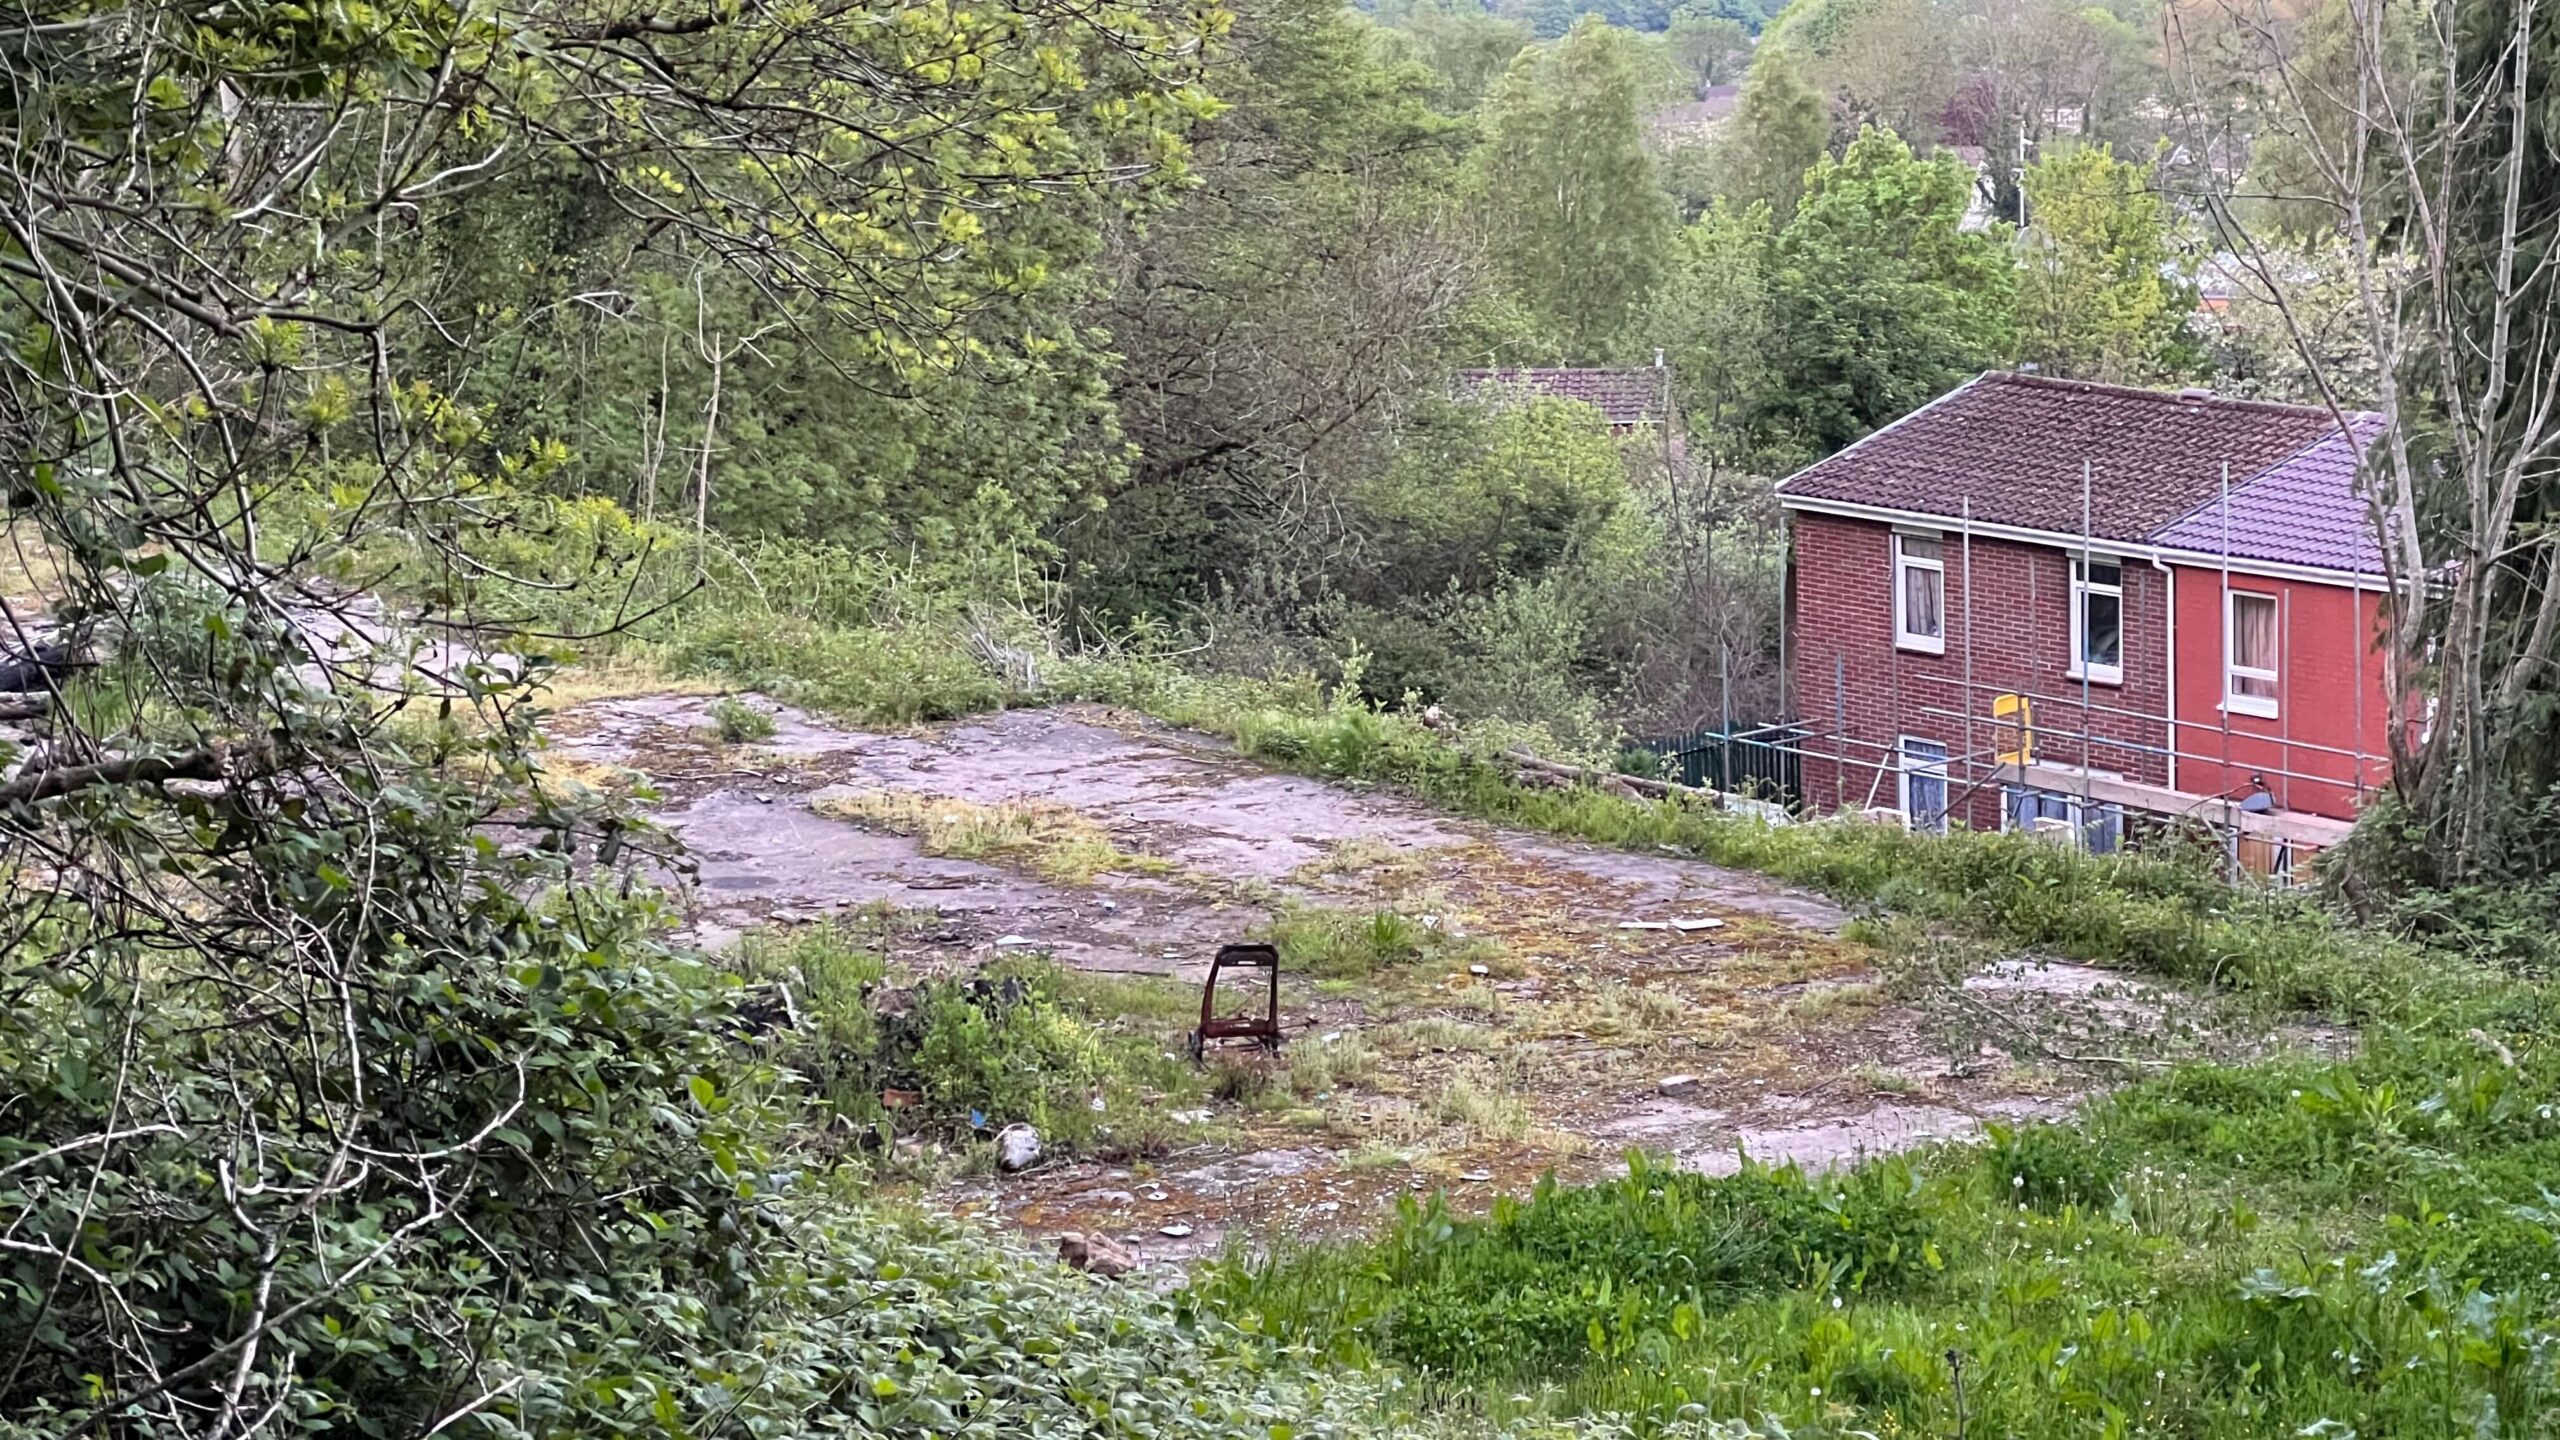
x=1622, y=1000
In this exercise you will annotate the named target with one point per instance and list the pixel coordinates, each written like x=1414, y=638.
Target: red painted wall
x=2330, y=691
x=1841, y=627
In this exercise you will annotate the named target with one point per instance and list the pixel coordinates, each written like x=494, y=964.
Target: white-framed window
x=1919, y=593
x=1924, y=785
x=2251, y=624
x=2097, y=827
x=2097, y=620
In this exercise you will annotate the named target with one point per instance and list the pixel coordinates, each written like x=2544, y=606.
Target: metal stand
x=1263, y=1029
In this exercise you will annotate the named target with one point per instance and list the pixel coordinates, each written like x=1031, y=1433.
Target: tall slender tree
x=2100, y=292
x=1564, y=180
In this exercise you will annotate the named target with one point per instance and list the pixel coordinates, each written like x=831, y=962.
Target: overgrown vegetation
x=2295, y=1248
x=915, y=360
x=953, y=1060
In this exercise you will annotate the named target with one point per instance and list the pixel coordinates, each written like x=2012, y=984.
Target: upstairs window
x=2097, y=621
x=2249, y=649
x=1919, y=594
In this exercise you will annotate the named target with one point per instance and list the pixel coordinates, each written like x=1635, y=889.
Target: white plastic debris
x=1174, y=1231
x=1017, y=1148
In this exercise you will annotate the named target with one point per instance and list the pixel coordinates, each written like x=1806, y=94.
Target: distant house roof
x=1623, y=397
x=2012, y=447
x=1691, y=118
x=2302, y=510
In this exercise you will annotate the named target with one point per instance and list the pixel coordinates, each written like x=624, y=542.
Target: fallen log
x=1556, y=774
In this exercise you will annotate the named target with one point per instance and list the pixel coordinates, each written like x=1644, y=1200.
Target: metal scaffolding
x=2010, y=737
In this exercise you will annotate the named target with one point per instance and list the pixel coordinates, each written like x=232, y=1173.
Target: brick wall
x=1841, y=625
x=2331, y=698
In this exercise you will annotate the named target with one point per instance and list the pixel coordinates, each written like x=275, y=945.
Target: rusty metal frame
x=1263, y=1029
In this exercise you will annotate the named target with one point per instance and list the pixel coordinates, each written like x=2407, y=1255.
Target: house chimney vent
x=2196, y=392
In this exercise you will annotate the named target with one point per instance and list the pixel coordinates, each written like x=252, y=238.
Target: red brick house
x=2017, y=607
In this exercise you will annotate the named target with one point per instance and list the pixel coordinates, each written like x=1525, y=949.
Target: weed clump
x=1352, y=944
x=738, y=722
x=960, y=1058
x=1058, y=842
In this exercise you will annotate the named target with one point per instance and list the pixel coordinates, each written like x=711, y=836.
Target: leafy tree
x=349, y=1087
x=1468, y=49
x=1883, y=302
x=1563, y=179
x=1715, y=318
x=1778, y=132
x=1709, y=50
x=1305, y=295
x=1749, y=14
x=1893, y=66
x=2292, y=328
x=1508, y=487
x=2099, y=296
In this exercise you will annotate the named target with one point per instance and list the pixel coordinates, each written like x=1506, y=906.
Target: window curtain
x=2253, y=645
x=1923, y=591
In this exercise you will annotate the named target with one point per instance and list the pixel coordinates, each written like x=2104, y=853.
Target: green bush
x=965, y=1056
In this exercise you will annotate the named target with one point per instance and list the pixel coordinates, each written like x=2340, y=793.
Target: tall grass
x=2297, y=1249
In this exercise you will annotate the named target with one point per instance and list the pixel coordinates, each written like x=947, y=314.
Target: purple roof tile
x=2302, y=510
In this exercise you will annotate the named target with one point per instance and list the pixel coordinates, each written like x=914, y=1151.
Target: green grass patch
x=1340, y=944
x=2294, y=1248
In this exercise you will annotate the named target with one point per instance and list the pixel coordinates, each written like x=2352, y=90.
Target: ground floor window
x=1924, y=785
x=2094, y=826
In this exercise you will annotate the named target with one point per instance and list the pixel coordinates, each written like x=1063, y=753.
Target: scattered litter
x=1677, y=1085
x=1095, y=1105
x=1477, y=1177
x=1332, y=1035
x=1708, y=922
x=1014, y=940
x=1110, y=904
x=899, y=1099
x=1644, y=924
x=1017, y=1147
x=1478, y=971
x=1174, y=1231
x=1191, y=1117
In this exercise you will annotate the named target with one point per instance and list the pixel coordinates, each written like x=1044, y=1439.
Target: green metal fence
x=1764, y=762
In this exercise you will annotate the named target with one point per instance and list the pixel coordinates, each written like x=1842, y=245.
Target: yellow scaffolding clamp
x=2016, y=710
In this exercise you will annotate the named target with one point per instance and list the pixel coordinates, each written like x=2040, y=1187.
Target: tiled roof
x=2013, y=446
x=2302, y=510
x=1623, y=397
